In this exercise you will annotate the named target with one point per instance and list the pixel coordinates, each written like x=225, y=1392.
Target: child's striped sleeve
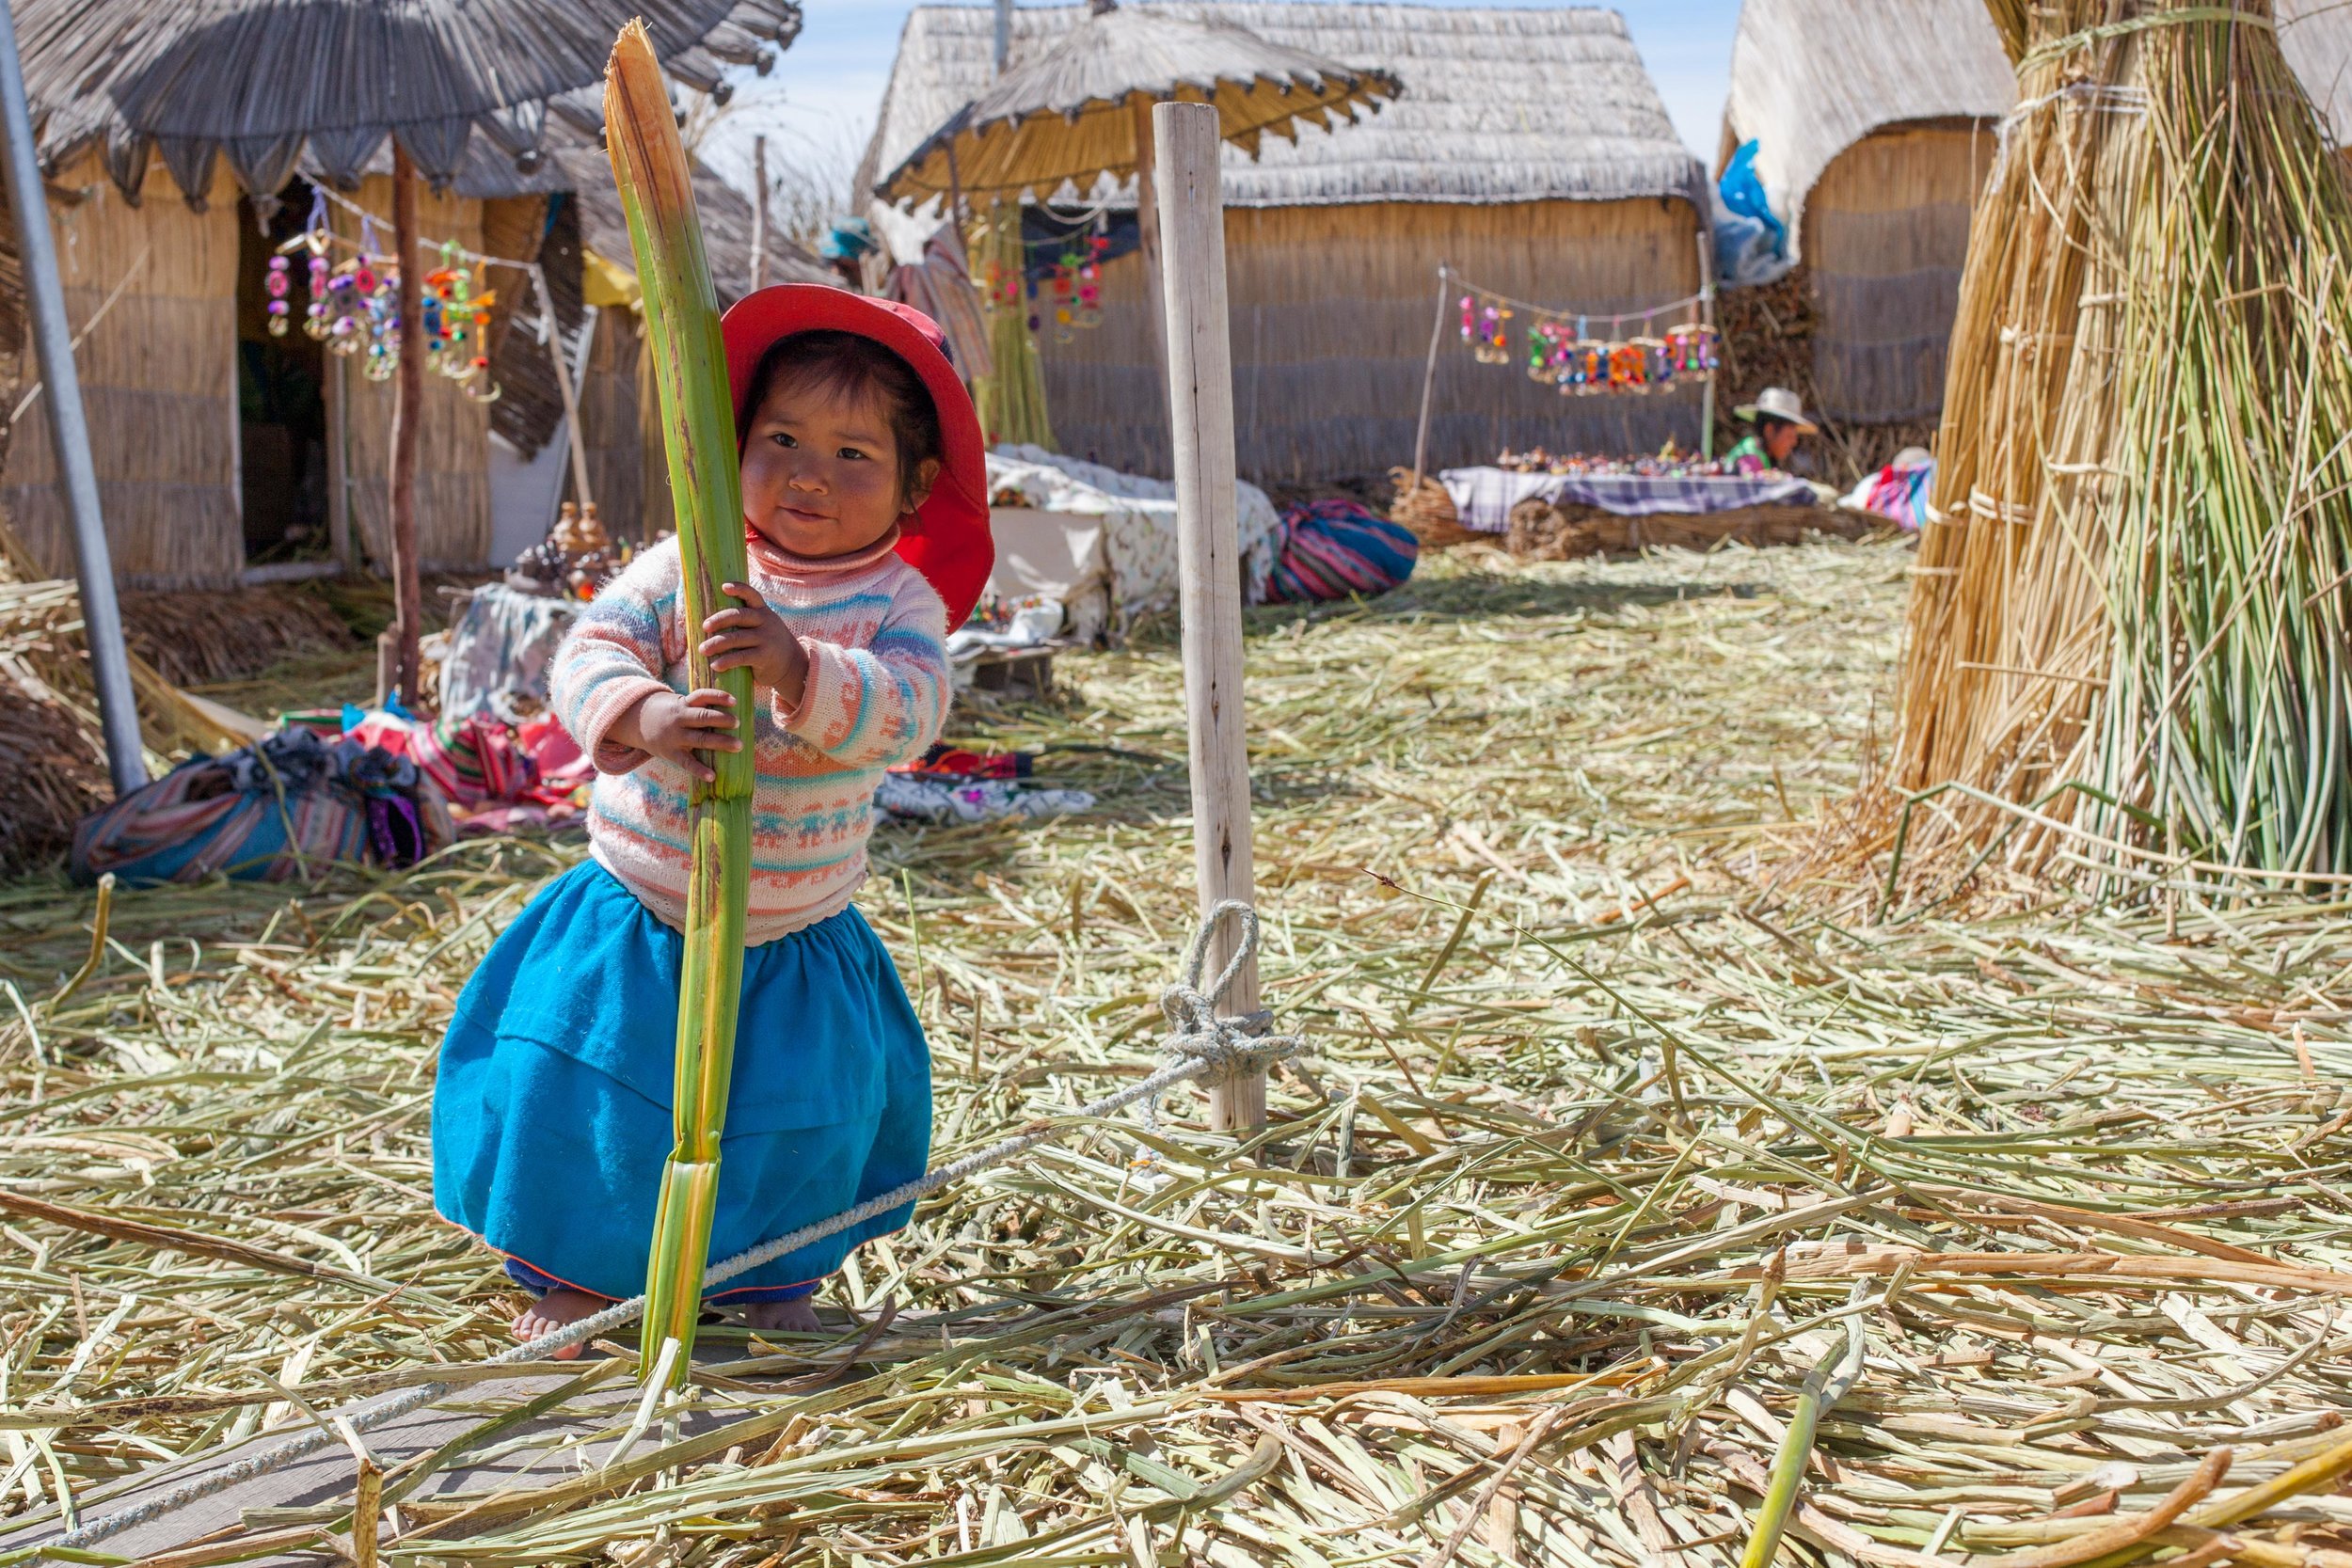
x=886, y=703
x=617, y=654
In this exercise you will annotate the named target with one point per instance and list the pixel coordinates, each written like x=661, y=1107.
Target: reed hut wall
x=1529, y=150
x=1331, y=311
x=614, y=422
x=1876, y=126
x=1886, y=236
x=453, y=438
x=159, y=383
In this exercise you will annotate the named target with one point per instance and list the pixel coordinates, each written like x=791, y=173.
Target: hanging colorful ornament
x=1587, y=369
x=315, y=315
x=1656, y=367
x=1629, y=367
x=1692, y=347
x=1494, y=346
x=383, y=330
x=1091, y=277
x=278, y=282
x=477, y=381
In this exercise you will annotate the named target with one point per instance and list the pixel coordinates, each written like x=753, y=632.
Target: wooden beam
x=1200, y=358
x=407, y=415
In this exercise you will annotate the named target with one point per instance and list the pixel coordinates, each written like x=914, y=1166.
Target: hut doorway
x=281, y=403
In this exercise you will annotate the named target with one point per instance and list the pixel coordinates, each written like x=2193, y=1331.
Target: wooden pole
x=1201, y=401
x=1148, y=229
x=759, y=213
x=407, y=414
x=1707, y=319
x=337, y=395
x=573, y=439
x=68, y=428
x=1428, y=384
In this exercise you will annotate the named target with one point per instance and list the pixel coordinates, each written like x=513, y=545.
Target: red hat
x=948, y=539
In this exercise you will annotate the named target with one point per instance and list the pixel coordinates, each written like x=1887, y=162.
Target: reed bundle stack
x=2126, y=640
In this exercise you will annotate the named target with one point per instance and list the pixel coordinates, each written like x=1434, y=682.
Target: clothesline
x=431, y=247
x=1705, y=296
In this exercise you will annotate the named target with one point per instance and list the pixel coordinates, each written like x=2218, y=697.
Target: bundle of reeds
x=1012, y=397
x=2127, y=634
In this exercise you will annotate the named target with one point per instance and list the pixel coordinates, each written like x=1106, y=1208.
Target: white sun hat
x=1777, y=403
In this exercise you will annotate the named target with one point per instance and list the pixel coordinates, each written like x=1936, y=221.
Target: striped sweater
x=876, y=695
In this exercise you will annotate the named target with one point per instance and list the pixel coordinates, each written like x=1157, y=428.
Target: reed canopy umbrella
x=1083, y=110
x=261, y=83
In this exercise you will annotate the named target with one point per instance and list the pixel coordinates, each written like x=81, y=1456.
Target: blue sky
x=820, y=99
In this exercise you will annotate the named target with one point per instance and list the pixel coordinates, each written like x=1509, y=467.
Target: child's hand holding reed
x=676, y=727
x=752, y=636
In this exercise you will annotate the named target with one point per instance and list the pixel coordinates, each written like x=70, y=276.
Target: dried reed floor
x=1532, y=1267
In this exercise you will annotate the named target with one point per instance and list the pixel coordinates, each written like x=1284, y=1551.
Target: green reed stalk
x=2228, y=703
x=698, y=431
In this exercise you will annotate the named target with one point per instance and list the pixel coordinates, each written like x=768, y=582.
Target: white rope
x=1447, y=275
x=1202, y=1042
x=424, y=243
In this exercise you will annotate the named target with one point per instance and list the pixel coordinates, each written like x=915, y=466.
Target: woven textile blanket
x=1485, y=497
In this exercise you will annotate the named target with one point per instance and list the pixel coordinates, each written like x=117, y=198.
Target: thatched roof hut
x=1877, y=124
x=213, y=442
x=1529, y=149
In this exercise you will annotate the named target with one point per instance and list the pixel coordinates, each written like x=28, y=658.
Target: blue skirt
x=551, y=1114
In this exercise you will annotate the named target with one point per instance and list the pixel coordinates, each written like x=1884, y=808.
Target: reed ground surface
x=1534, y=1265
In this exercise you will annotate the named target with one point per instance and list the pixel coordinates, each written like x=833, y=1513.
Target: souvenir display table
x=1484, y=496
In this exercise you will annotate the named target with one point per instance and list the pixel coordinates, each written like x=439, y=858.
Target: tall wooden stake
x=1199, y=347
x=68, y=428
x=1429, y=383
x=408, y=415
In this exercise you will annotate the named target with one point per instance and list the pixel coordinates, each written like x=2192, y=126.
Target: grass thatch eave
x=1499, y=104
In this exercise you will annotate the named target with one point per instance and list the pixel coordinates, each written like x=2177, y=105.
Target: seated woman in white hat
x=1779, y=418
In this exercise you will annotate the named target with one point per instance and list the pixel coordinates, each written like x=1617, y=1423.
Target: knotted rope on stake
x=1222, y=1047
x=1201, y=1043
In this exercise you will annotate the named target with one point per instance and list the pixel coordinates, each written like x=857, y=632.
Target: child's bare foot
x=782, y=1317
x=554, y=1311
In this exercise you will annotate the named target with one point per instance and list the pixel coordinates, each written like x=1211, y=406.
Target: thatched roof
x=1069, y=112
x=1497, y=104
x=572, y=159
x=268, y=83
x=1809, y=78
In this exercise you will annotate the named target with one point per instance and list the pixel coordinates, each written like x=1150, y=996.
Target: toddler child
x=865, y=502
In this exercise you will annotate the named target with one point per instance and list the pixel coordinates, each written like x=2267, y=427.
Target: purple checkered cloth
x=1484, y=496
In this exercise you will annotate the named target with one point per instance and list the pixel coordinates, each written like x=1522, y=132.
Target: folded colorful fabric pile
x=954, y=762
x=953, y=785
x=1334, y=549
x=286, y=807
x=496, y=777
x=1898, y=492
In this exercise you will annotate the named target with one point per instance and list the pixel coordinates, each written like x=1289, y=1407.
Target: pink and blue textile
x=551, y=1112
x=1332, y=549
